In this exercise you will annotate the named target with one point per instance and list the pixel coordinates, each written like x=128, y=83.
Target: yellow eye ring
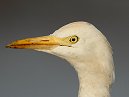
x=74, y=39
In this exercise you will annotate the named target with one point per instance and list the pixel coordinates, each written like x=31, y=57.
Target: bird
x=85, y=48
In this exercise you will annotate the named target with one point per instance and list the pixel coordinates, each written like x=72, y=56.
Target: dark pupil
x=73, y=39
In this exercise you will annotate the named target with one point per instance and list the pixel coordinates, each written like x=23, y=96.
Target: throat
x=92, y=81
x=92, y=85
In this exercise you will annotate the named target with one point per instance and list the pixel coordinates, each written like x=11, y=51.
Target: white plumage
x=86, y=49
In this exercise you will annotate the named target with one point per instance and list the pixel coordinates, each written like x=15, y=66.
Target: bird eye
x=74, y=39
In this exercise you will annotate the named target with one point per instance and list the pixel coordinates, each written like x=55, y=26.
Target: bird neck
x=92, y=81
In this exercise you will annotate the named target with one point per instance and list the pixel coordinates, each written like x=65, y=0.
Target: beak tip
x=7, y=46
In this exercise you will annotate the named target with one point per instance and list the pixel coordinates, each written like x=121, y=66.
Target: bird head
x=72, y=41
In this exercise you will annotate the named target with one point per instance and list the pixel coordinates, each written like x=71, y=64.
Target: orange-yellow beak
x=44, y=42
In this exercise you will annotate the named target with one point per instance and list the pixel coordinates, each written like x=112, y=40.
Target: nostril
x=44, y=40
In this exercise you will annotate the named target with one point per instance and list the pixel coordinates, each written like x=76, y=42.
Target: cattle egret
x=85, y=48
